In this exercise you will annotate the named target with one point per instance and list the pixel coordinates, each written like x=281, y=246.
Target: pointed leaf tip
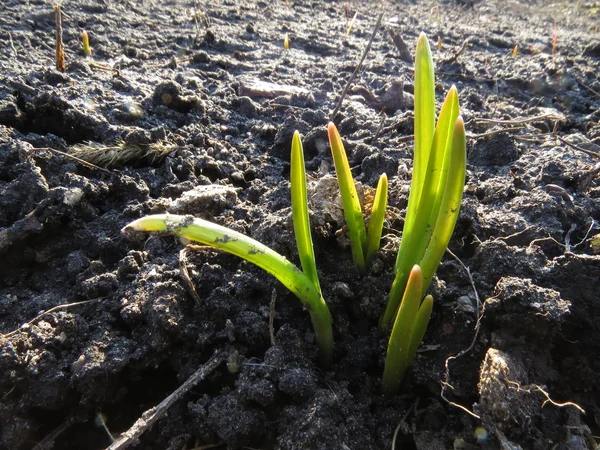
x=459, y=129
x=415, y=274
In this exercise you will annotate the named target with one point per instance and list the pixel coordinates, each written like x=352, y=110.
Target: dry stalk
x=60, y=54
x=358, y=67
x=151, y=416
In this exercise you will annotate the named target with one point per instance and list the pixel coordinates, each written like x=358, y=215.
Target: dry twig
x=455, y=56
x=60, y=54
x=480, y=311
x=581, y=149
x=519, y=121
x=358, y=67
x=73, y=157
x=185, y=276
x=151, y=416
x=51, y=310
x=48, y=441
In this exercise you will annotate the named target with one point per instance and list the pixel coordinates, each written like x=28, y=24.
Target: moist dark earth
x=189, y=107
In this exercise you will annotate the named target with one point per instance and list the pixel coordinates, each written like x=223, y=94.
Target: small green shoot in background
x=85, y=42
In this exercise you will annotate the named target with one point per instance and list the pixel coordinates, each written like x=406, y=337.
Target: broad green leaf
x=415, y=242
x=424, y=125
x=450, y=205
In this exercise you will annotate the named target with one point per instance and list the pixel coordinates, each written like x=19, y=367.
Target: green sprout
x=85, y=41
x=377, y=217
x=304, y=284
x=407, y=332
x=300, y=211
x=363, y=245
x=433, y=206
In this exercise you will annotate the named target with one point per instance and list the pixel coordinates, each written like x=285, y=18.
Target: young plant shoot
x=433, y=206
x=407, y=332
x=363, y=245
x=304, y=284
x=377, y=217
x=300, y=211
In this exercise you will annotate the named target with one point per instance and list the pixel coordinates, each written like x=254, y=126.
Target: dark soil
x=170, y=113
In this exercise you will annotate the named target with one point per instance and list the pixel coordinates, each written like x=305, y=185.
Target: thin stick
x=60, y=54
x=402, y=421
x=48, y=441
x=151, y=416
x=12, y=44
x=480, y=311
x=362, y=59
x=457, y=54
x=519, y=121
x=185, y=276
x=272, y=317
x=492, y=133
x=51, y=310
x=559, y=405
x=380, y=127
x=586, y=151
x=586, y=86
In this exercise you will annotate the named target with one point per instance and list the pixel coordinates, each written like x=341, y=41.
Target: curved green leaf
x=238, y=244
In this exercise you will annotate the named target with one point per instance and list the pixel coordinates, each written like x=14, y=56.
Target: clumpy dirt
x=189, y=107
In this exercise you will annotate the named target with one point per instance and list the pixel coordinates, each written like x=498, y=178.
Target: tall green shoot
x=433, y=206
x=431, y=176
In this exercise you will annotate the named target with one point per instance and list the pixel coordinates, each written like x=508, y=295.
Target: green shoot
x=407, y=332
x=433, y=206
x=85, y=41
x=450, y=205
x=352, y=208
x=424, y=128
x=437, y=169
x=377, y=217
x=416, y=239
x=238, y=244
x=300, y=211
x=364, y=245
